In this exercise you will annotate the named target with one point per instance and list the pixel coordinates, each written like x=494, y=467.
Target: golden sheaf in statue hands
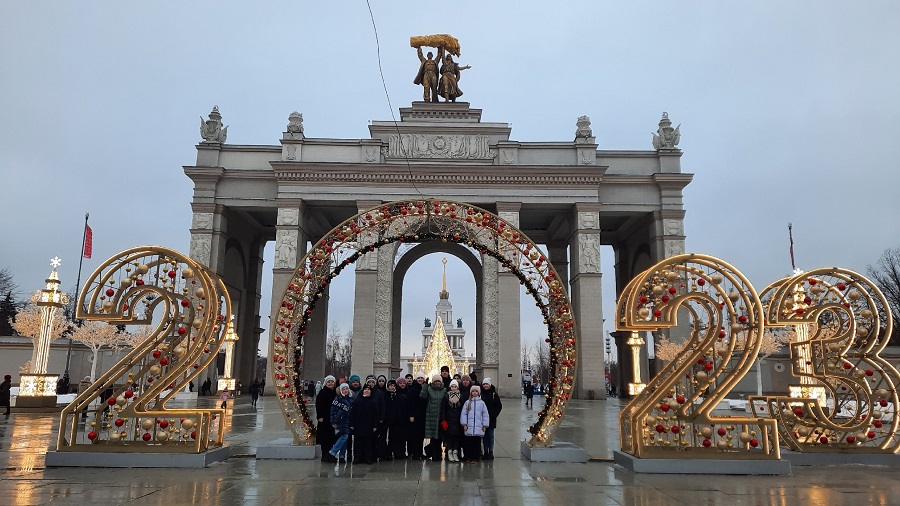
x=448, y=42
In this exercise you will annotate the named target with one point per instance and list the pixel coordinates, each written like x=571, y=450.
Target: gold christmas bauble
x=147, y=423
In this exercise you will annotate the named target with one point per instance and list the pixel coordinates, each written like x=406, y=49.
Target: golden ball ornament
x=706, y=432
x=147, y=424
x=722, y=443
x=121, y=400
x=187, y=272
x=154, y=370
x=187, y=424
x=114, y=437
x=716, y=279
x=179, y=351
x=200, y=292
x=162, y=436
x=143, y=268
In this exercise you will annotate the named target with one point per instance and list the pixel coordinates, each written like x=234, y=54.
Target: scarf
x=453, y=397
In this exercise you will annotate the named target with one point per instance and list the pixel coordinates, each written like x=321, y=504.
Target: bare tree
x=338, y=350
x=886, y=274
x=7, y=284
x=97, y=335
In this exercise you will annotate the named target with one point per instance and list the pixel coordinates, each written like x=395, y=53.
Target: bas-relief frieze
x=588, y=221
x=290, y=152
x=438, y=146
x=588, y=253
x=288, y=216
x=371, y=154
x=490, y=350
x=673, y=227
x=286, y=249
x=201, y=246
x=674, y=248
x=202, y=221
x=384, y=289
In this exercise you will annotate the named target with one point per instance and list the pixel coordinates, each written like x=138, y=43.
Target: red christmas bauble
x=157, y=353
x=664, y=407
x=675, y=429
x=721, y=432
x=92, y=435
x=111, y=401
x=877, y=424
x=194, y=435
x=708, y=366
x=672, y=290
x=119, y=422
x=851, y=439
x=707, y=443
x=185, y=303
x=172, y=274
x=164, y=424
x=823, y=440
x=798, y=412
x=660, y=429
x=754, y=443
x=163, y=361
x=128, y=394
x=871, y=434
x=110, y=292
x=701, y=281
x=146, y=436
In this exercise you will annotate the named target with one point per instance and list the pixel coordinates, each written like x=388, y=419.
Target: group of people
x=384, y=419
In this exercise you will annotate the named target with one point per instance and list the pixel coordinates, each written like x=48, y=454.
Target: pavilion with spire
x=443, y=343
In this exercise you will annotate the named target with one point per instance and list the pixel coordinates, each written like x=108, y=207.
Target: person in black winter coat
x=492, y=401
x=451, y=428
x=380, y=392
x=5, y=388
x=417, y=408
x=364, y=420
x=396, y=420
x=325, y=435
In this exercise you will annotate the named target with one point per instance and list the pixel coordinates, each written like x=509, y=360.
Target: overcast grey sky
x=789, y=113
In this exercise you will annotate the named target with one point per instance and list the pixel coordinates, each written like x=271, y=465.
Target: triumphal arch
x=568, y=196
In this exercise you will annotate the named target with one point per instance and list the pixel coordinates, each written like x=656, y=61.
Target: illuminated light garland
x=421, y=221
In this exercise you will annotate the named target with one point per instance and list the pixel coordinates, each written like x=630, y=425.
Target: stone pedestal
x=122, y=459
x=559, y=452
x=702, y=466
x=284, y=449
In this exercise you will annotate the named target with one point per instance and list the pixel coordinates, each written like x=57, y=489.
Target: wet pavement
x=242, y=480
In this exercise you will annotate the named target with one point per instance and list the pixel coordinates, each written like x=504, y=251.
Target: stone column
x=290, y=248
x=557, y=253
x=208, y=236
x=587, y=301
x=248, y=320
x=509, y=331
x=365, y=304
x=385, y=350
x=488, y=344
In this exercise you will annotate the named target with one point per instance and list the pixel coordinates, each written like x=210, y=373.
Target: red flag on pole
x=88, y=241
x=791, y=235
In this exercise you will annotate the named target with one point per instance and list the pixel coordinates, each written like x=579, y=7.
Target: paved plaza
x=242, y=480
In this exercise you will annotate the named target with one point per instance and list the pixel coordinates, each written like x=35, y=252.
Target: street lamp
x=228, y=382
x=37, y=388
x=608, y=351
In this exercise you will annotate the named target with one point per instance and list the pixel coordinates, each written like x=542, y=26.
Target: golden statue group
x=437, y=81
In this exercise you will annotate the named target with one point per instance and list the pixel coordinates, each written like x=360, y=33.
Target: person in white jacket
x=475, y=421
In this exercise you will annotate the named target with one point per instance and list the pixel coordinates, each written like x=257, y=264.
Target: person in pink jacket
x=475, y=421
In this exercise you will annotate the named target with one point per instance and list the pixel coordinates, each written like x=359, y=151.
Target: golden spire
x=444, y=293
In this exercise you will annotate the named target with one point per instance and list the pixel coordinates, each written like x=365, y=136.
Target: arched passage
x=421, y=221
x=402, y=267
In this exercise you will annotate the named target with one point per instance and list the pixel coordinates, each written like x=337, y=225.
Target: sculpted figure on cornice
x=295, y=125
x=286, y=249
x=666, y=137
x=211, y=130
x=438, y=146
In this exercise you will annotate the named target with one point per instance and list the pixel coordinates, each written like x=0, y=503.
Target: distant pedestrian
x=4, y=393
x=190, y=386
x=529, y=394
x=254, y=392
x=262, y=387
x=224, y=398
x=206, y=387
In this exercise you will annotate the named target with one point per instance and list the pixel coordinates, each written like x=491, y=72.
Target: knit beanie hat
x=436, y=377
x=475, y=388
x=401, y=381
x=354, y=377
x=487, y=381
x=341, y=389
x=392, y=382
x=370, y=377
x=466, y=378
x=454, y=382
x=329, y=378
x=420, y=375
x=381, y=377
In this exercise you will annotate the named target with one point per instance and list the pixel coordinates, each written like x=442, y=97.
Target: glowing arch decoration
x=672, y=416
x=842, y=322
x=187, y=308
x=421, y=221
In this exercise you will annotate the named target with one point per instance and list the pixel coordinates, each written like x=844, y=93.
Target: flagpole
x=77, y=287
x=791, y=237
